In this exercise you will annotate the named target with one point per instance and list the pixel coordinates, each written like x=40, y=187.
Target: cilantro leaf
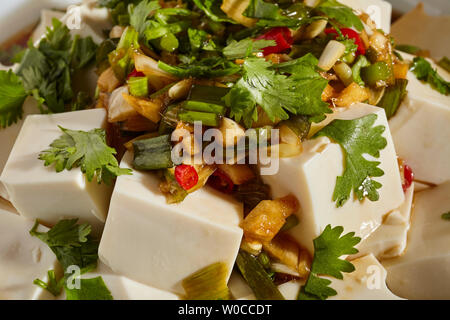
x=46, y=71
x=12, y=97
x=212, y=9
x=424, y=71
x=71, y=243
x=243, y=48
x=341, y=13
x=140, y=13
x=206, y=68
x=357, y=137
x=53, y=286
x=87, y=150
x=200, y=40
x=328, y=248
x=277, y=93
x=446, y=216
x=90, y=289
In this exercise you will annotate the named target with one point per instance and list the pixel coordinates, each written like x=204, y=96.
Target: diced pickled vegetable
x=300, y=125
x=284, y=249
x=108, y=82
x=207, y=119
x=257, y=277
x=118, y=108
x=129, y=144
x=204, y=174
x=400, y=70
x=268, y=217
x=153, y=153
x=350, y=95
x=252, y=247
x=209, y=283
x=150, y=109
x=238, y=173
x=231, y=132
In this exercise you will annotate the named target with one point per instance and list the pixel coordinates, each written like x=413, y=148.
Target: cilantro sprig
x=12, y=97
x=424, y=71
x=73, y=245
x=328, y=248
x=341, y=13
x=243, y=48
x=87, y=150
x=357, y=137
x=293, y=87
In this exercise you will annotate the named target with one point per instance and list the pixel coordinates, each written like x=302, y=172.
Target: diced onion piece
x=204, y=172
x=157, y=78
x=268, y=217
x=311, y=3
x=231, y=131
x=235, y=9
x=333, y=51
x=150, y=109
x=350, y=95
x=314, y=29
x=116, y=32
x=344, y=72
x=238, y=173
x=209, y=283
x=284, y=249
x=290, y=143
x=282, y=268
x=375, y=95
x=118, y=108
x=108, y=82
x=180, y=90
x=252, y=247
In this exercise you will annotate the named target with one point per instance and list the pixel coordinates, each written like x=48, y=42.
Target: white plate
x=17, y=15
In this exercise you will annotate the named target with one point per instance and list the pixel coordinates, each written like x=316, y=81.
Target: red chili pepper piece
x=351, y=34
x=135, y=74
x=408, y=174
x=221, y=182
x=186, y=176
x=282, y=37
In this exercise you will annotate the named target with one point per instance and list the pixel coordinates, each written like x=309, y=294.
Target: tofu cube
x=421, y=129
x=367, y=282
x=39, y=192
x=9, y=135
x=423, y=272
x=23, y=259
x=390, y=239
x=311, y=177
x=159, y=244
x=123, y=288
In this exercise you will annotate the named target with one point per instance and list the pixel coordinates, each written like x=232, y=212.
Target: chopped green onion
x=169, y=119
x=208, y=94
x=207, y=119
x=153, y=153
x=291, y=222
x=204, y=107
x=356, y=69
x=376, y=72
x=393, y=96
x=138, y=86
x=257, y=277
x=209, y=283
x=169, y=42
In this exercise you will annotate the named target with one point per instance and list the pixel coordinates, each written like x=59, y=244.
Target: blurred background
x=432, y=7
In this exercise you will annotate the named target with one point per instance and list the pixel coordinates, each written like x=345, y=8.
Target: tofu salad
x=220, y=150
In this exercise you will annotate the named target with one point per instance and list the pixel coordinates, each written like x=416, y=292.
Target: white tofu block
x=390, y=239
x=367, y=282
x=8, y=138
x=123, y=288
x=423, y=272
x=421, y=129
x=159, y=244
x=379, y=11
x=39, y=192
x=23, y=259
x=311, y=177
